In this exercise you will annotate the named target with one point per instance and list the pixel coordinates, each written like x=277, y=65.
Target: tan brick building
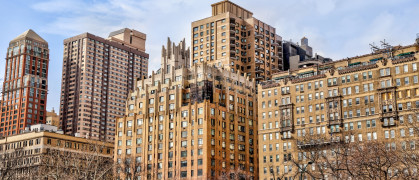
x=25, y=85
x=97, y=76
x=186, y=122
x=232, y=38
x=53, y=119
x=373, y=96
x=23, y=156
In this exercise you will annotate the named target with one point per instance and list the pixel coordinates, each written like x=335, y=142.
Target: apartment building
x=299, y=56
x=359, y=99
x=232, y=38
x=28, y=155
x=187, y=122
x=97, y=76
x=25, y=85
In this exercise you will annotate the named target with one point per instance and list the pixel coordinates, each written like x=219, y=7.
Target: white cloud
x=336, y=29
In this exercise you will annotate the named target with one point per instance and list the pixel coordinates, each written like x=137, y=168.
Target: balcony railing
x=359, y=67
x=258, y=61
x=260, y=77
x=259, y=70
x=403, y=58
x=317, y=143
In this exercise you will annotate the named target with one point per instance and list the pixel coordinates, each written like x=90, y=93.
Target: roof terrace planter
x=310, y=78
x=358, y=67
x=403, y=59
x=270, y=85
x=335, y=122
x=259, y=70
x=318, y=143
x=287, y=128
x=260, y=77
x=259, y=61
x=275, y=69
x=258, y=35
x=258, y=49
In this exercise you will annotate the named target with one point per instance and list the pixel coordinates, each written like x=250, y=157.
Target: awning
x=325, y=67
x=353, y=64
x=376, y=59
x=304, y=73
x=280, y=77
x=404, y=54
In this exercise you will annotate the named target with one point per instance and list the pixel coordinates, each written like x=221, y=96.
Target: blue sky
x=335, y=28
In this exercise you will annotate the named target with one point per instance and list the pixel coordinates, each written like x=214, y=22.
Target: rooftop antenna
x=374, y=48
x=417, y=38
x=387, y=48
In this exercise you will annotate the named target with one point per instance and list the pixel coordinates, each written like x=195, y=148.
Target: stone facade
x=233, y=39
x=186, y=122
x=373, y=97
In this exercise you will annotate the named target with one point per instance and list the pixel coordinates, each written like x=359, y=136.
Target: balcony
x=405, y=57
x=232, y=37
x=259, y=61
x=388, y=122
x=258, y=36
x=275, y=69
x=232, y=31
x=316, y=143
x=287, y=128
x=358, y=67
x=335, y=122
x=260, y=77
x=258, y=70
x=232, y=24
x=275, y=56
x=258, y=49
x=232, y=43
x=275, y=44
x=309, y=78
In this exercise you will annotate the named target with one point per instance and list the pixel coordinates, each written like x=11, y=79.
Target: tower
x=97, y=76
x=25, y=83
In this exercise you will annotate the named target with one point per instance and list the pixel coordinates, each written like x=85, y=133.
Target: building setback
x=194, y=122
x=97, y=76
x=232, y=38
x=25, y=83
x=299, y=56
x=360, y=99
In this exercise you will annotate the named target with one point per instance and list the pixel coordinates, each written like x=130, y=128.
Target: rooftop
x=30, y=34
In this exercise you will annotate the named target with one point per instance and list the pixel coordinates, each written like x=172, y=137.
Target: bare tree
x=236, y=174
x=66, y=163
x=131, y=168
x=7, y=167
x=322, y=157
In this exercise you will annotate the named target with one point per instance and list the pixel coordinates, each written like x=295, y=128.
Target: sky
x=335, y=28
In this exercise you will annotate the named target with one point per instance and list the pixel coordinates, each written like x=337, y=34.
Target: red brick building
x=24, y=96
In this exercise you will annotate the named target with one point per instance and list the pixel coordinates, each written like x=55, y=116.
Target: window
x=385, y=72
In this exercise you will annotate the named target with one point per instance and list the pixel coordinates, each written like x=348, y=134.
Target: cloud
x=336, y=29
x=157, y=18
